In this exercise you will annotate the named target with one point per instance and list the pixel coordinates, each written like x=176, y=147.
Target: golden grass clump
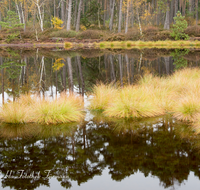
x=68, y=108
x=14, y=112
x=187, y=108
x=63, y=110
x=153, y=96
x=103, y=94
x=133, y=102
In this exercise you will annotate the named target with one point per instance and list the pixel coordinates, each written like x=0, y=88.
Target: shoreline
x=110, y=45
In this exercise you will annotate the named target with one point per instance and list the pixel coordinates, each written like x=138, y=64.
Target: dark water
x=99, y=153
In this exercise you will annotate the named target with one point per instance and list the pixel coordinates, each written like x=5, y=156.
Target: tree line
x=114, y=15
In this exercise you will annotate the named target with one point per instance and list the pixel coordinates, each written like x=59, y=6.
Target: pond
x=101, y=153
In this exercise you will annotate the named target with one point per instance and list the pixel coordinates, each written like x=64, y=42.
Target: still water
x=99, y=153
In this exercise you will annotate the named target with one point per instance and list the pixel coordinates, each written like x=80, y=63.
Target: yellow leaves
x=83, y=28
x=58, y=64
x=57, y=23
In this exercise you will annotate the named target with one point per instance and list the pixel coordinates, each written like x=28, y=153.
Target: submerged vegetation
x=177, y=95
x=67, y=108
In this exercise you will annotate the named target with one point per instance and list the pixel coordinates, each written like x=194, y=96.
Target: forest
x=34, y=17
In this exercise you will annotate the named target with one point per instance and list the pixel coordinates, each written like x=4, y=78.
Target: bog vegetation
x=153, y=96
x=27, y=109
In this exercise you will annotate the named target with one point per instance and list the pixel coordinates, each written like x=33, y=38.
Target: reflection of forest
x=58, y=71
x=156, y=147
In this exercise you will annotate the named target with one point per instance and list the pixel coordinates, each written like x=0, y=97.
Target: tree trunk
x=167, y=24
x=64, y=76
x=2, y=79
x=40, y=15
x=120, y=69
x=63, y=12
x=0, y=19
x=81, y=74
x=18, y=11
x=104, y=13
x=75, y=13
x=128, y=68
x=120, y=17
x=138, y=17
x=69, y=15
x=176, y=7
x=190, y=5
x=197, y=15
x=79, y=16
x=112, y=16
x=127, y=18
x=54, y=8
x=172, y=11
x=167, y=65
x=70, y=75
x=113, y=77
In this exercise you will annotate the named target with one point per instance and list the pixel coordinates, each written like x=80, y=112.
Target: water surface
x=101, y=153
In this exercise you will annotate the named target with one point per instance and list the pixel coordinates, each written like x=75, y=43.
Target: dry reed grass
x=153, y=96
x=103, y=95
x=67, y=108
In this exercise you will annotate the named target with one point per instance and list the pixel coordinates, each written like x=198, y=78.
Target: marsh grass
x=133, y=102
x=177, y=95
x=63, y=110
x=67, y=108
x=187, y=108
x=14, y=112
x=102, y=96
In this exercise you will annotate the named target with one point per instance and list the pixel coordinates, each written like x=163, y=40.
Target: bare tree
x=120, y=16
x=79, y=16
x=70, y=75
x=112, y=15
x=127, y=16
x=69, y=15
x=167, y=23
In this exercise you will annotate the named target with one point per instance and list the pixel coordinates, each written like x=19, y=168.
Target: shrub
x=132, y=35
x=117, y=37
x=179, y=27
x=150, y=29
x=193, y=31
x=57, y=23
x=64, y=34
x=90, y=34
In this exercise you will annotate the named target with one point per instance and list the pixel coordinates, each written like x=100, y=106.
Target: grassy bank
x=152, y=96
x=51, y=35
x=148, y=44
x=67, y=108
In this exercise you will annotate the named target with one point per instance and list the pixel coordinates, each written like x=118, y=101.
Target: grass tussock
x=14, y=112
x=68, y=108
x=152, y=96
x=133, y=102
x=102, y=96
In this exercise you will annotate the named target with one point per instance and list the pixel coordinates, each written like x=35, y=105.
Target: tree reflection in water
x=156, y=147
